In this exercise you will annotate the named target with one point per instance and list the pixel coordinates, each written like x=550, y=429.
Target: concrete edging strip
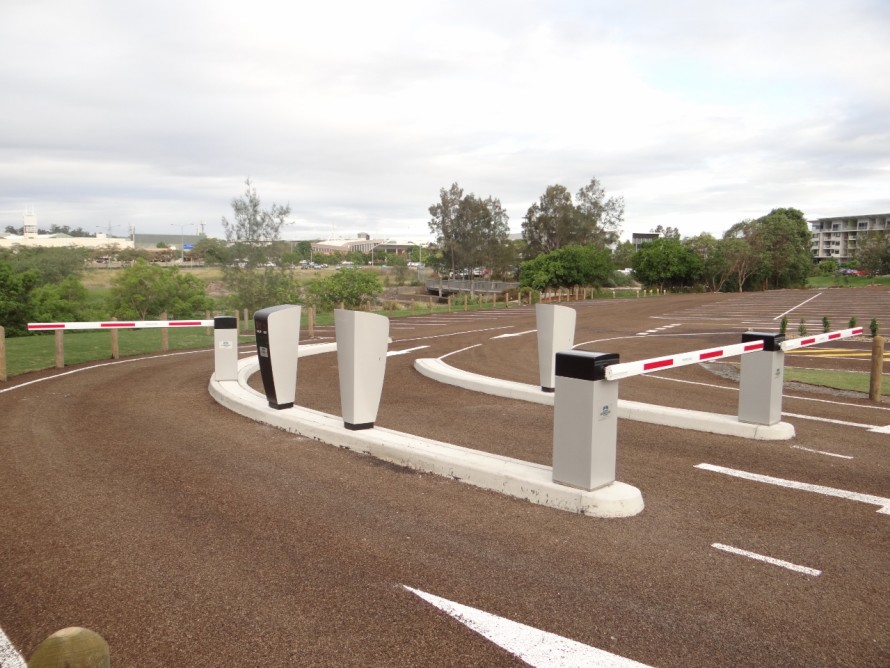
x=682, y=418
x=514, y=477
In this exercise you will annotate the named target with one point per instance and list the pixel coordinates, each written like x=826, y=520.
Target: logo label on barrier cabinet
x=264, y=351
x=225, y=344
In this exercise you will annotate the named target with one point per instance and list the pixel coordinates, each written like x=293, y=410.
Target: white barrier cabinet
x=362, y=339
x=585, y=420
x=277, y=342
x=556, y=331
x=760, y=380
x=225, y=347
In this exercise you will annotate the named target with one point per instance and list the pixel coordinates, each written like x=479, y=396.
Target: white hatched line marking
x=9, y=655
x=768, y=560
x=821, y=452
x=884, y=503
x=535, y=647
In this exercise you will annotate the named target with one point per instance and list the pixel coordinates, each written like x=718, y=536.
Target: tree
x=252, y=225
x=622, y=255
x=469, y=230
x=666, y=263
x=212, y=251
x=16, y=307
x=551, y=223
x=144, y=291
x=566, y=267
x=254, y=231
x=873, y=252
x=52, y=265
x=555, y=220
x=67, y=301
x=350, y=287
x=779, y=244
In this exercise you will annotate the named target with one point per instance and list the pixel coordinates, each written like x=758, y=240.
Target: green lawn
x=838, y=380
x=834, y=281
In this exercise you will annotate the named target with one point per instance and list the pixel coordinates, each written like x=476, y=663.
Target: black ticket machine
x=277, y=341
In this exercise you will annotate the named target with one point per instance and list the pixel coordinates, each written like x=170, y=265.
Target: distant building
x=836, y=238
x=31, y=237
x=640, y=238
x=363, y=243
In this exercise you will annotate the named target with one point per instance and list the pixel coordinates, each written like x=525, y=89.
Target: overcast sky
x=699, y=113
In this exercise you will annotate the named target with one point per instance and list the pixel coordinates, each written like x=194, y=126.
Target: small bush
x=802, y=327
x=852, y=322
x=873, y=327
x=826, y=324
x=783, y=327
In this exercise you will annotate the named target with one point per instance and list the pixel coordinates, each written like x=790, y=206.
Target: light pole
x=182, y=227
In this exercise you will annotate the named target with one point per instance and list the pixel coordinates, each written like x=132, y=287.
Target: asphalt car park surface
x=136, y=506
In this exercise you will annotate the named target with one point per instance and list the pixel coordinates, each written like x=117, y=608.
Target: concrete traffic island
x=714, y=423
x=514, y=477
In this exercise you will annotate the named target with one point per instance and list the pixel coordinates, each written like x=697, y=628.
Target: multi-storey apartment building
x=836, y=238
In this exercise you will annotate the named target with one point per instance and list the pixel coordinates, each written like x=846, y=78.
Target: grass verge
x=852, y=381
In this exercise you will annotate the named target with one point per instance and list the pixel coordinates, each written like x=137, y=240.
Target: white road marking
x=455, y=352
x=535, y=647
x=393, y=353
x=821, y=452
x=507, y=336
x=469, y=331
x=884, y=503
x=768, y=560
x=9, y=655
x=818, y=294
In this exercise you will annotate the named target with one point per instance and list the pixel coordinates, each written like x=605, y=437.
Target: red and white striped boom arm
x=117, y=324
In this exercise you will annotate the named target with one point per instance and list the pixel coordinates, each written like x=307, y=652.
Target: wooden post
x=449, y=302
x=246, y=322
x=465, y=301
x=209, y=330
x=431, y=305
x=310, y=318
x=73, y=647
x=165, y=335
x=237, y=323
x=877, y=366
x=60, y=349
x=115, y=348
x=3, y=376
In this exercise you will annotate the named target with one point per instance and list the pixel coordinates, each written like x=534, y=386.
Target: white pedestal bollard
x=585, y=420
x=277, y=340
x=225, y=347
x=760, y=380
x=362, y=340
x=556, y=332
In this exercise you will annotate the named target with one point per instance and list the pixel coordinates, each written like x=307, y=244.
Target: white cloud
x=357, y=113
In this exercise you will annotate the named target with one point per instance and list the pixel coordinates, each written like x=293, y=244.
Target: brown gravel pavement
x=185, y=535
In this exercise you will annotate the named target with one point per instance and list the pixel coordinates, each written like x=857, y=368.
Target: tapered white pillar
x=556, y=332
x=277, y=340
x=362, y=340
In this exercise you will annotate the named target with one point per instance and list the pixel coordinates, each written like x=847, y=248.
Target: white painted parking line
x=821, y=452
x=393, y=353
x=884, y=503
x=768, y=560
x=9, y=655
x=507, y=336
x=535, y=647
x=818, y=294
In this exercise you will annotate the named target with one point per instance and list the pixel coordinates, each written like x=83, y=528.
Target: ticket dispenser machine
x=277, y=343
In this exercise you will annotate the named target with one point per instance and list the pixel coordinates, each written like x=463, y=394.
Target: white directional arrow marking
x=507, y=336
x=535, y=647
x=393, y=353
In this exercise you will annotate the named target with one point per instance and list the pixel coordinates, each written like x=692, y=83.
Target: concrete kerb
x=713, y=423
x=514, y=477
